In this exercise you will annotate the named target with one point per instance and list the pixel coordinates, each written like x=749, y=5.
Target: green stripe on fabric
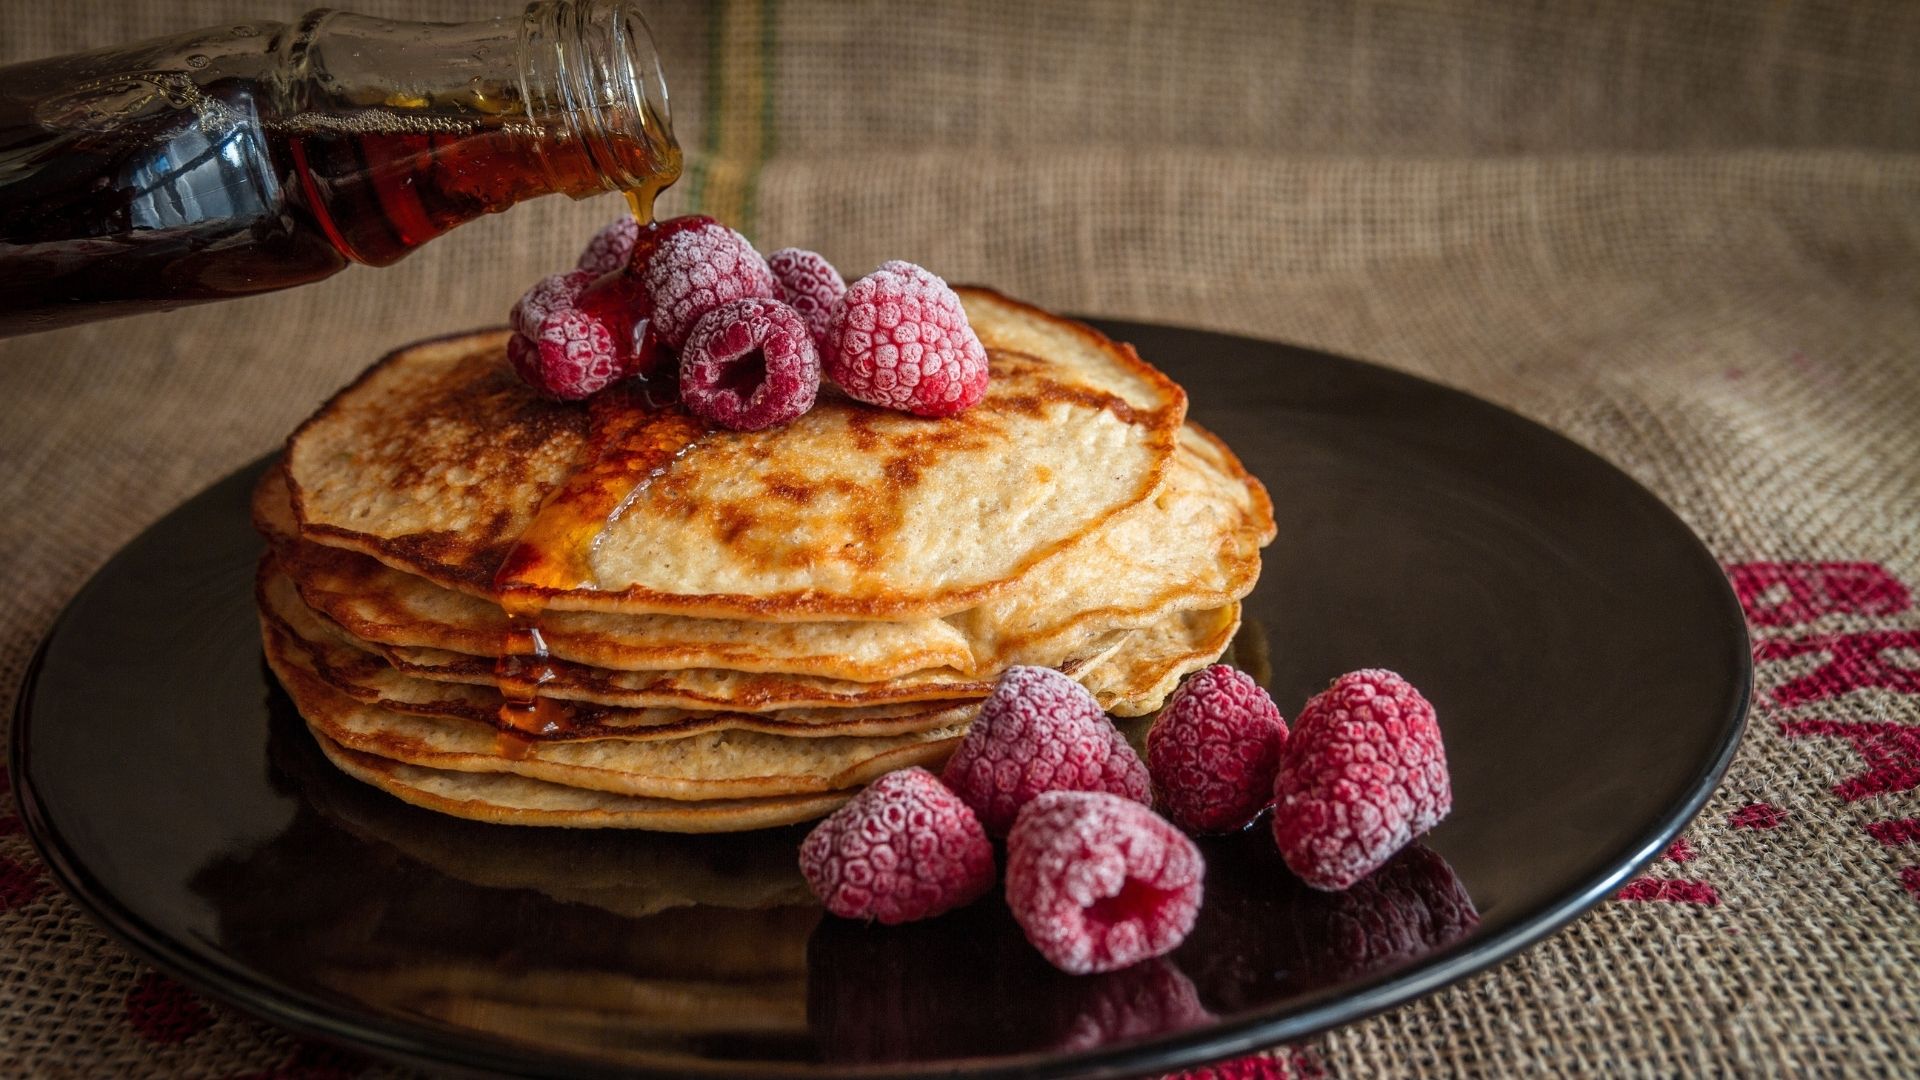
x=698, y=168
x=736, y=137
x=769, y=18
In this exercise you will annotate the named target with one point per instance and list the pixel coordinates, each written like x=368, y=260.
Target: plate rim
x=420, y=1043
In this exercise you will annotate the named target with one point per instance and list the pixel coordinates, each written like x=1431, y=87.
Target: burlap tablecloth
x=1687, y=235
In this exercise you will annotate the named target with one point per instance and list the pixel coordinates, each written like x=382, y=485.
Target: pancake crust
x=709, y=765
x=437, y=459
x=1141, y=676
x=515, y=800
x=295, y=637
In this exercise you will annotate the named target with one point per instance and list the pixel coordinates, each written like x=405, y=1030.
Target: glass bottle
x=247, y=158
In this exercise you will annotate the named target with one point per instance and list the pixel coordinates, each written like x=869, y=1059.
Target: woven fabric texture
x=1687, y=235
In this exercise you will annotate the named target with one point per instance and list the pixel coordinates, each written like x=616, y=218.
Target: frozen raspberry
x=573, y=357
x=906, y=848
x=551, y=294
x=563, y=345
x=900, y=339
x=1362, y=774
x=749, y=364
x=1040, y=731
x=610, y=247
x=695, y=269
x=619, y=298
x=811, y=284
x=1099, y=882
x=1213, y=751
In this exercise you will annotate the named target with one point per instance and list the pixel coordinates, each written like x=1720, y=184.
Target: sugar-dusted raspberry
x=1362, y=774
x=900, y=339
x=906, y=848
x=553, y=293
x=749, y=364
x=619, y=297
x=1099, y=882
x=694, y=269
x=572, y=357
x=1040, y=731
x=811, y=284
x=610, y=247
x=1214, y=749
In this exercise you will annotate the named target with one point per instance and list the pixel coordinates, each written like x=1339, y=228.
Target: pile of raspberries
x=751, y=337
x=1096, y=879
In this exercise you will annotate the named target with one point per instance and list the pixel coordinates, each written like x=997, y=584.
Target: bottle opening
x=591, y=77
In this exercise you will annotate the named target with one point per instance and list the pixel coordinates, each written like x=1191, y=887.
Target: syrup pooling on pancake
x=632, y=439
x=435, y=462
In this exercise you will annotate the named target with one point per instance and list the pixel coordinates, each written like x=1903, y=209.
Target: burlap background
x=1687, y=235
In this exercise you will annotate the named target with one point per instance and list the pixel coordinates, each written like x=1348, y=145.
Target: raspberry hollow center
x=744, y=374
x=1136, y=901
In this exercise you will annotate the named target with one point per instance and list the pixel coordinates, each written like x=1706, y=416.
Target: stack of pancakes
x=532, y=612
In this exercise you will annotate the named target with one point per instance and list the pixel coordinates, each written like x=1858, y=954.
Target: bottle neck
x=401, y=131
x=591, y=80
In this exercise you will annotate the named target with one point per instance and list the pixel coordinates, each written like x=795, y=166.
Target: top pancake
x=437, y=460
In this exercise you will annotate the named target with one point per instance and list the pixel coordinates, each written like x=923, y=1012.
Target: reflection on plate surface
x=710, y=946
x=1585, y=655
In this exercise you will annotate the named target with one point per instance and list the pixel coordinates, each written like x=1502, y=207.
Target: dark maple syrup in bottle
x=254, y=157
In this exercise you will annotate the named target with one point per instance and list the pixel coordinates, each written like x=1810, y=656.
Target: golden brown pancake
x=503, y=799
x=1129, y=674
x=728, y=764
x=1195, y=544
x=294, y=636
x=437, y=460
x=1139, y=677
x=379, y=604
x=733, y=630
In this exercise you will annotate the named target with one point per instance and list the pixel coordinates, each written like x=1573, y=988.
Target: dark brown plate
x=1587, y=658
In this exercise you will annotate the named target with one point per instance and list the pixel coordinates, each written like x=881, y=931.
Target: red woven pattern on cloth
x=1891, y=752
x=1895, y=833
x=1670, y=890
x=1757, y=815
x=1785, y=594
x=1284, y=1063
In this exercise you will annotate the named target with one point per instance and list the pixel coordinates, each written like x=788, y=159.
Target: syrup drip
x=633, y=437
x=632, y=441
x=522, y=669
